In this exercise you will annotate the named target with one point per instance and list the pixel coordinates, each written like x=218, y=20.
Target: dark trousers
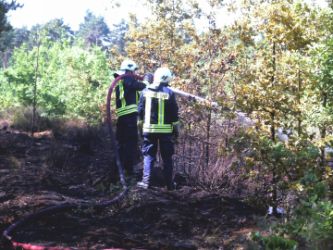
x=127, y=137
x=149, y=150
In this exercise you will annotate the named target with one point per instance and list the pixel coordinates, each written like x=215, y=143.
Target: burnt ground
x=46, y=169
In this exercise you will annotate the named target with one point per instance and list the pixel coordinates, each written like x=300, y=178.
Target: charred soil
x=46, y=170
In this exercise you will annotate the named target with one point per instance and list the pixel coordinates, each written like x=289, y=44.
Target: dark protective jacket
x=158, y=110
x=127, y=95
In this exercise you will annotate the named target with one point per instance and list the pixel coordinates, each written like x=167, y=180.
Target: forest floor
x=46, y=170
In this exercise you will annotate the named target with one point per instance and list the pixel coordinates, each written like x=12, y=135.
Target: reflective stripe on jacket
x=158, y=110
x=127, y=95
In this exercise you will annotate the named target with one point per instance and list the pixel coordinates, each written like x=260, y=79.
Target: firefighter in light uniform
x=127, y=95
x=158, y=111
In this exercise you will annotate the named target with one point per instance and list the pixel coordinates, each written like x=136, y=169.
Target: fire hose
x=194, y=97
x=8, y=240
x=109, y=123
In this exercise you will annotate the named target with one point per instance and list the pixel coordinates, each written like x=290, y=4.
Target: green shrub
x=312, y=220
x=274, y=242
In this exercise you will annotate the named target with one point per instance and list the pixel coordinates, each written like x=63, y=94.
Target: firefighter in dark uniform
x=158, y=112
x=127, y=96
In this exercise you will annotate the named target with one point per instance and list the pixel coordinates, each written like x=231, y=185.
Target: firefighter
x=127, y=95
x=158, y=113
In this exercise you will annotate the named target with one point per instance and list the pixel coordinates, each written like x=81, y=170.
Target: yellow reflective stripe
x=160, y=127
x=127, y=110
x=163, y=112
x=145, y=130
x=160, y=110
x=157, y=128
x=122, y=94
x=126, y=113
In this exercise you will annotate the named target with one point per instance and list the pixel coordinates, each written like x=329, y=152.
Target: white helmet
x=162, y=75
x=128, y=65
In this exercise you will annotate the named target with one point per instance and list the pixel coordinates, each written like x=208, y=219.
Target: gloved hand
x=148, y=78
x=140, y=127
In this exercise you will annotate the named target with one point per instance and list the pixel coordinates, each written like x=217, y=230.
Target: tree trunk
x=299, y=114
x=34, y=102
x=208, y=126
x=323, y=132
x=274, y=174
